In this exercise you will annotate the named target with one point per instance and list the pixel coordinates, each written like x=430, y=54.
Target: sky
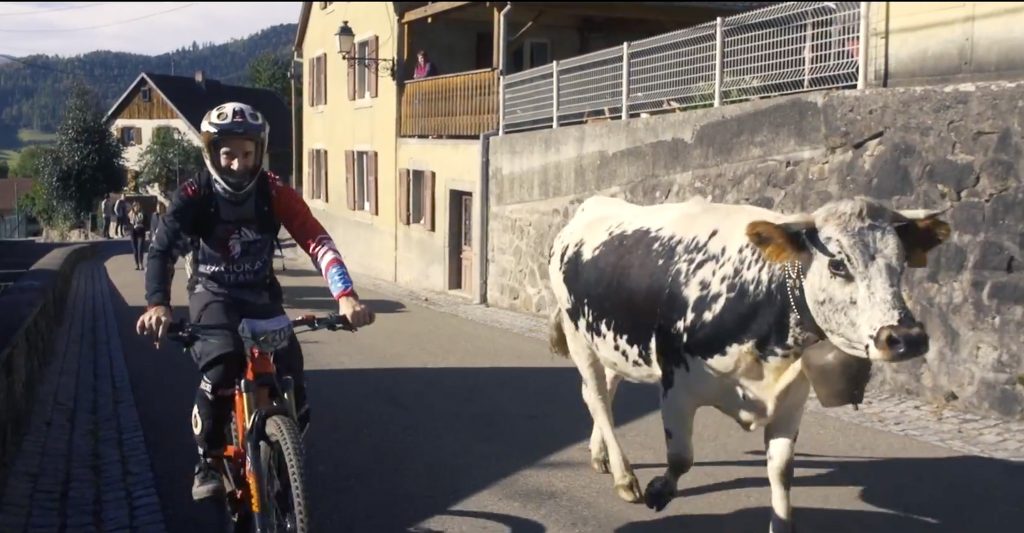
x=74, y=28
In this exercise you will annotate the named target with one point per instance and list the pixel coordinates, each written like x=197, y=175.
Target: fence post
x=554, y=96
x=808, y=36
x=625, y=80
x=501, y=103
x=719, y=55
x=862, y=47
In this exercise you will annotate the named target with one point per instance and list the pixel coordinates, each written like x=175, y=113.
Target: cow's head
x=853, y=253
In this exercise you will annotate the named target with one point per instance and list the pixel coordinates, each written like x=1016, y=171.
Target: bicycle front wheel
x=284, y=476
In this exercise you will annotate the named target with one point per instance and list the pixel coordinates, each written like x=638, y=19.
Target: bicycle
x=264, y=433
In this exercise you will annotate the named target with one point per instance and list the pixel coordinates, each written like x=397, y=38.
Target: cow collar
x=798, y=301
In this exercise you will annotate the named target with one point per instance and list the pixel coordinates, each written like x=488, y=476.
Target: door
x=467, y=243
x=460, y=241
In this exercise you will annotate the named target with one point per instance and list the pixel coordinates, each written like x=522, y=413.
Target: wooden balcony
x=454, y=105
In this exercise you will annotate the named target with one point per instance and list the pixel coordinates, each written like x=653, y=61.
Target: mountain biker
x=231, y=214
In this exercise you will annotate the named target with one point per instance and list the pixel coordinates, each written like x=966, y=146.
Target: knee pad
x=215, y=391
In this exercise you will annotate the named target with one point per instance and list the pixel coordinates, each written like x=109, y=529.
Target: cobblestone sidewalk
x=83, y=466
x=968, y=433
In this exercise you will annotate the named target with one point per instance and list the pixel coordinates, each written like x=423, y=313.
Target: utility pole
x=17, y=212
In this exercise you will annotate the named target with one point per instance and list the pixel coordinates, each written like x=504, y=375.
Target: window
x=538, y=52
x=145, y=94
x=362, y=75
x=533, y=53
x=362, y=70
x=130, y=136
x=416, y=197
x=318, y=80
x=317, y=162
x=362, y=199
x=361, y=180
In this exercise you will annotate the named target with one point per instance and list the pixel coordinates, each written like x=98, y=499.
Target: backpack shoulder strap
x=265, y=204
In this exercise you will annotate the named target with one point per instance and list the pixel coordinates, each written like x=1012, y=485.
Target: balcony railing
x=454, y=105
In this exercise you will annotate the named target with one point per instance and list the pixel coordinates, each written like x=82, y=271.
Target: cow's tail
x=556, y=335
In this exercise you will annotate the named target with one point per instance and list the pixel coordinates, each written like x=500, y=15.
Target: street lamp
x=346, y=37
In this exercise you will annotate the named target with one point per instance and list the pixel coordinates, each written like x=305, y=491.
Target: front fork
x=252, y=408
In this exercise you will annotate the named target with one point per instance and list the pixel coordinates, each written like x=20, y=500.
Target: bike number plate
x=266, y=334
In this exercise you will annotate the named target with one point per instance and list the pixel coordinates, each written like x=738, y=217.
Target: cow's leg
x=779, y=439
x=678, y=409
x=598, y=450
x=595, y=395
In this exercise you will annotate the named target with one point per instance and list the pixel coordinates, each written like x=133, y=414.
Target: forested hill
x=33, y=89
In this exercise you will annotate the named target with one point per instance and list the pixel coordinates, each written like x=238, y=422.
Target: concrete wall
x=919, y=147
x=31, y=309
x=423, y=257
x=367, y=242
x=918, y=43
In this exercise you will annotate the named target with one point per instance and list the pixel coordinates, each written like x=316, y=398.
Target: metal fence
x=781, y=49
x=13, y=226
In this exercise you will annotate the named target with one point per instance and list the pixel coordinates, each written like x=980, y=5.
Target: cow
x=717, y=303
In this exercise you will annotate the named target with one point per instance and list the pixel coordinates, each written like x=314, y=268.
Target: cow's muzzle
x=899, y=343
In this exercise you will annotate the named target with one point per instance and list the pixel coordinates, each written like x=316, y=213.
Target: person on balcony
x=424, y=68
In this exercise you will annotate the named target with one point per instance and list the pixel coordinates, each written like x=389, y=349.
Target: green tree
x=85, y=163
x=270, y=71
x=169, y=156
x=4, y=170
x=30, y=161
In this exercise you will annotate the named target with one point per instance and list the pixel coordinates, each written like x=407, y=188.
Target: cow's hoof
x=659, y=492
x=629, y=491
x=600, y=465
x=779, y=525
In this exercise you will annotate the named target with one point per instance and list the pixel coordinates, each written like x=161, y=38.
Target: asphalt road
x=429, y=422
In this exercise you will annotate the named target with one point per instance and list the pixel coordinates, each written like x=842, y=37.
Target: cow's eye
x=838, y=268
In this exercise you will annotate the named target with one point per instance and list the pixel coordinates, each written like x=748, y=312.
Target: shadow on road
x=319, y=299
x=387, y=449
x=946, y=494
x=391, y=448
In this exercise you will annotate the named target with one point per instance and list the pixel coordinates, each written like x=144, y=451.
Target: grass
x=11, y=156
x=27, y=136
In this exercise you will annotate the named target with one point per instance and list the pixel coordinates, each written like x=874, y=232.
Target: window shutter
x=371, y=181
x=428, y=199
x=372, y=76
x=351, y=76
x=323, y=83
x=311, y=174
x=311, y=77
x=350, y=179
x=137, y=135
x=403, y=196
x=326, y=182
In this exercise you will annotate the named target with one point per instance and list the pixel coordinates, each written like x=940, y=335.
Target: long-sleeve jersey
x=234, y=243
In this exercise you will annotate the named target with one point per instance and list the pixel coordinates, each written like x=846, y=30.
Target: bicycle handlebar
x=184, y=332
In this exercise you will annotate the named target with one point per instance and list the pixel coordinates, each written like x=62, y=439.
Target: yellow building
x=928, y=43
x=395, y=167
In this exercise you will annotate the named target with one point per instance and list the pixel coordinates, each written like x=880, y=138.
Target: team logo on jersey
x=239, y=239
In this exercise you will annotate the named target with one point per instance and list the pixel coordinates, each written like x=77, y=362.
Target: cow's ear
x=780, y=243
x=920, y=231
